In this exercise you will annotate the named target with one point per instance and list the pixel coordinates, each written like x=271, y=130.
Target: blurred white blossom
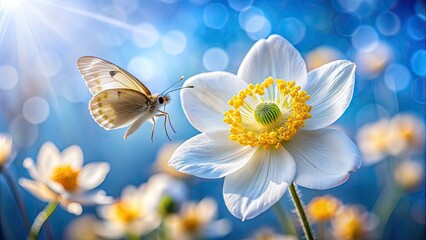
x=133, y=214
x=61, y=177
x=197, y=221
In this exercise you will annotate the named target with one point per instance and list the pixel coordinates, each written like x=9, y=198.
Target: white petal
x=93, y=174
x=331, y=87
x=97, y=197
x=73, y=156
x=205, y=104
x=207, y=209
x=259, y=184
x=274, y=57
x=217, y=229
x=323, y=157
x=38, y=189
x=32, y=170
x=210, y=155
x=72, y=207
x=48, y=158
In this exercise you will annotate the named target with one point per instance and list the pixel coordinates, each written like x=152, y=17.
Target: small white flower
x=6, y=146
x=196, y=221
x=400, y=136
x=84, y=227
x=132, y=214
x=162, y=185
x=61, y=177
x=406, y=134
x=269, y=234
x=275, y=127
x=373, y=141
x=409, y=174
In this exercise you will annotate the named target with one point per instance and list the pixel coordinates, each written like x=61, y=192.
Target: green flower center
x=267, y=113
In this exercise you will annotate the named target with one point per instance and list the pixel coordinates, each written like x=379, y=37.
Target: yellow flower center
x=126, y=212
x=191, y=222
x=66, y=176
x=323, y=208
x=267, y=114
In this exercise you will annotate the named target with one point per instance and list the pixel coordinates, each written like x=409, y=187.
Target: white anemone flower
x=197, y=221
x=61, y=177
x=131, y=215
x=6, y=147
x=266, y=127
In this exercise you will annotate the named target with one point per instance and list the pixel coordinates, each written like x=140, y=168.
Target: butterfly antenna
x=176, y=89
x=180, y=79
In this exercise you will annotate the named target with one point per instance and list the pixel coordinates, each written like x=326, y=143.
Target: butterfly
x=120, y=99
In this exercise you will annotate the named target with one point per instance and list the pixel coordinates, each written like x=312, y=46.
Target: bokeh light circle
x=346, y=24
x=370, y=113
x=35, y=110
x=143, y=68
x=145, y=35
x=49, y=63
x=388, y=23
x=418, y=62
x=365, y=38
x=292, y=29
x=240, y=5
x=24, y=133
x=254, y=22
x=416, y=27
x=418, y=90
x=215, y=16
x=397, y=77
x=349, y=6
x=8, y=77
x=174, y=42
x=215, y=59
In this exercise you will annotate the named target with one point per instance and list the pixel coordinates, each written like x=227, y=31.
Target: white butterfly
x=120, y=99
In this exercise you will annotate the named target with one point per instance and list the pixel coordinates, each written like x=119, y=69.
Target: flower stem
x=301, y=212
x=385, y=206
x=284, y=219
x=41, y=219
x=15, y=191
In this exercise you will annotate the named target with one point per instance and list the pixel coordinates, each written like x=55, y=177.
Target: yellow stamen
x=266, y=117
x=66, y=176
x=126, y=212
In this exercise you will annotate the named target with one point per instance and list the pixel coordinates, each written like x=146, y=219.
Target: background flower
x=131, y=215
x=6, y=145
x=61, y=177
x=197, y=221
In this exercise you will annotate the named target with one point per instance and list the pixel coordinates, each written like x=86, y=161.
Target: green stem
x=301, y=212
x=131, y=236
x=284, y=219
x=15, y=191
x=385, y=205
x=41, y=219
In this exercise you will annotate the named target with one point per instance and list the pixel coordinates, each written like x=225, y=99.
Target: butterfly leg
x=165, y=123
x=170, y=121
x=152, y=130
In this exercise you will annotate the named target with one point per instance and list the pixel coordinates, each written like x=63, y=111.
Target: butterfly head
x=163, y=100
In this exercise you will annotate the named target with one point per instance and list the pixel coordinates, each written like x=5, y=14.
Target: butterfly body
x=119, y=99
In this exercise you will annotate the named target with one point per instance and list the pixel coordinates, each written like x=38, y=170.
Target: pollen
x=126, y=211
x=66, y=176
x=264, y=115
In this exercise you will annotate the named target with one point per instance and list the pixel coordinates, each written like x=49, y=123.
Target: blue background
x=159, y=41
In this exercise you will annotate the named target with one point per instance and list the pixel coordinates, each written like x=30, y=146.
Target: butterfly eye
x=161, y=100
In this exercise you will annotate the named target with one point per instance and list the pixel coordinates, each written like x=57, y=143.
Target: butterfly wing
x=101, y=75
x=118, y=108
